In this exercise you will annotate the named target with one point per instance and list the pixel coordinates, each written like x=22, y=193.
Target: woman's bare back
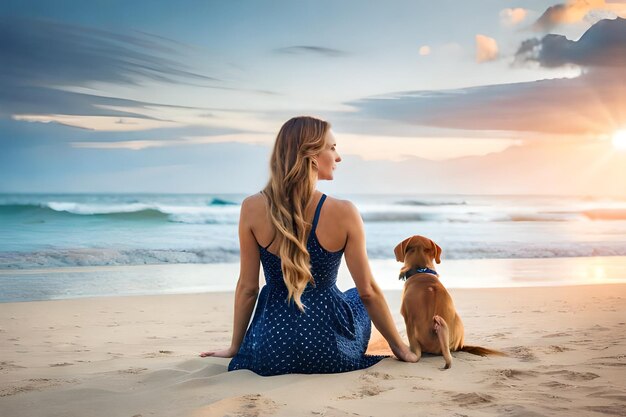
x=332, y=230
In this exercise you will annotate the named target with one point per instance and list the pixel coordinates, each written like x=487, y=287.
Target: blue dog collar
x=409, y=273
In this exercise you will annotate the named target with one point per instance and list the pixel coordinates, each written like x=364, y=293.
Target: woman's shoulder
x=254, y=203
x=343, y=208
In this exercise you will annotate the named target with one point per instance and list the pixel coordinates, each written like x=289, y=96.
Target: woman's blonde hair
x=293, y=174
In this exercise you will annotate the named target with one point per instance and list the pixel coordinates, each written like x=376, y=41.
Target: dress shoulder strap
x=317, y=212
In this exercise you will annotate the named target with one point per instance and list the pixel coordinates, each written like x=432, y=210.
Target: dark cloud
x=603, y=45
x=318, y=50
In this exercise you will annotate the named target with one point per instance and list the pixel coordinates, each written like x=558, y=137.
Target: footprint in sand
x=61, y=364
x=555, y=385
x=251, y=405
x=472, y=399
x=34, y=384
x=9, y=365
x=132, y=370
x=516, y=374
x=523, y=353
x=613, y=361
x=158, y=354
x=612, y=410
x=369, y=386
x=557, y=349
x=574, y=376
x=560, y=334
x=378, y=375
x=333, y=412
x=366, y=390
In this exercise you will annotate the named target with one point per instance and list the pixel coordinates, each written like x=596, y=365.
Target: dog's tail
x=481, y=351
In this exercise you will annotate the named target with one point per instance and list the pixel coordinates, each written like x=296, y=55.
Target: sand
x=137, y=356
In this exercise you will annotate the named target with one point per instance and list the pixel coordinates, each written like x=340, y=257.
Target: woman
x=302, y=322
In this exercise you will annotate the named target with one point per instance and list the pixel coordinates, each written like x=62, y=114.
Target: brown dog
x=432, y=324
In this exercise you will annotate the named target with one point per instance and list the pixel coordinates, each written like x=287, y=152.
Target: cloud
x=44, y=53
x=486, y=48
x=378, y=147
x=603, y=45
x=424, y=50
x=511, y=17
x=250, y=138
x=307, y=49
x=99, y=123
x=590, y=104
x=44, y=59
x=575, y=11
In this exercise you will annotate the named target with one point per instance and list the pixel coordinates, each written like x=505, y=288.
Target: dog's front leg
x=416, y=348
x=412, y=333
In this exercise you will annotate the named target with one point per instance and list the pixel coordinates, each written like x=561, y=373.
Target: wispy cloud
x=512, y=17
x=308, y=49
x=250, y=138
x=45, y=53
x=43, y=60
x=98, y=123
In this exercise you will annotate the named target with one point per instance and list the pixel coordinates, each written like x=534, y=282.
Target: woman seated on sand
x=303, y=323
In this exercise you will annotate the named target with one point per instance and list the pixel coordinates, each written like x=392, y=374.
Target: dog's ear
x=437, y=252
x=400, y=249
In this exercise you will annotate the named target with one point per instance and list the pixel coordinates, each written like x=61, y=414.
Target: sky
x=485, y=97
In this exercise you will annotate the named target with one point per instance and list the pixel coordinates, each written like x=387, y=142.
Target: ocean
x=52, y=232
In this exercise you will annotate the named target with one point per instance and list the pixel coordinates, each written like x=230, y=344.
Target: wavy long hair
x=293, y=174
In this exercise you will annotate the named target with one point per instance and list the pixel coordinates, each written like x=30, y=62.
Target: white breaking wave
x=466, y=250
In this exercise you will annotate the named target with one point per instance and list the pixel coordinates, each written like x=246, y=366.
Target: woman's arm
x=247, y=286
x=369, y=291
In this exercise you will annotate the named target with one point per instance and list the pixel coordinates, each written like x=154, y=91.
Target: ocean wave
x=477, y=216
x=221, y=202
x=606, y=214
x=111, y=256
x=220, y=213
x=511, y=250
x=430, y=203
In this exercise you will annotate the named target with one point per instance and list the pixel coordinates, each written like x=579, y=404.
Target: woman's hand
x=223, y=353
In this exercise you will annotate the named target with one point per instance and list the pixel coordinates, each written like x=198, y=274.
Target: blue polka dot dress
x=330, y=336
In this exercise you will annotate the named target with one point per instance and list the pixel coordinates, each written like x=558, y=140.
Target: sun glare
x=619, y=140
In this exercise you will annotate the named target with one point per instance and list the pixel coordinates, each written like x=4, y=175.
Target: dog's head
x=420, y=249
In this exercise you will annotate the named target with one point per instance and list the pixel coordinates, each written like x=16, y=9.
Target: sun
x=619, y=140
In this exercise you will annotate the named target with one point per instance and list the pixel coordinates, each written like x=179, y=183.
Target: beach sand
x=138, y=356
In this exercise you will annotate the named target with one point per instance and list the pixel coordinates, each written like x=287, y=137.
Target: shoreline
x=229, y=293
x=128, y=280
